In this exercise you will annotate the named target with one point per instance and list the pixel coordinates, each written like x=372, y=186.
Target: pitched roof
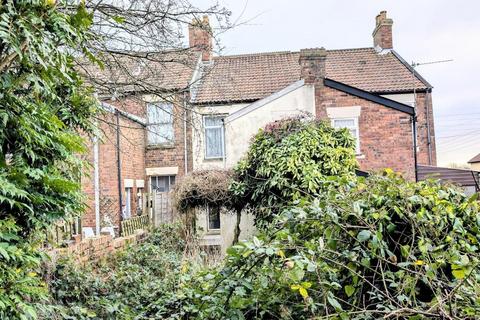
x=475, y=159
x=126, y=72
x=462, y=177
x=251, y=77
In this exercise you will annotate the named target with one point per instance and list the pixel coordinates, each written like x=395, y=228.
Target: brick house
x=217, y=103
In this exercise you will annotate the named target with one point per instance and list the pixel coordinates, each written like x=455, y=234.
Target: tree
x=43, y=107
x=291, y=159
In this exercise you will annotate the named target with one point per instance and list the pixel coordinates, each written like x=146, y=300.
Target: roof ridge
x=255, y=54
x=285, y=52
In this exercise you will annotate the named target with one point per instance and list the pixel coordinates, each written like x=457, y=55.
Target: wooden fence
x=129, y=226
x=63, y=232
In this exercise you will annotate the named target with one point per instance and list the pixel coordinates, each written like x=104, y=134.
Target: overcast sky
x=423, y=31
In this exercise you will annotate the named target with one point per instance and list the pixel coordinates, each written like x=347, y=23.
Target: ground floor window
x=213, y=217
x=162, y=183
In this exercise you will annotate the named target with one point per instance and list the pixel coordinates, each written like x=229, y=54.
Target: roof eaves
x=112, y=109
x=260, y=103
x=411, y=69
x=475, y=159
x=369, y=96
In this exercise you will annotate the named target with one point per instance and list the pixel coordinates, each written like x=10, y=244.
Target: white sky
x=423, y=30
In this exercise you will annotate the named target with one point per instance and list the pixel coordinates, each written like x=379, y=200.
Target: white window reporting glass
x=162, y=183
x=214, y=137
x=352, y=125
x=160, y=123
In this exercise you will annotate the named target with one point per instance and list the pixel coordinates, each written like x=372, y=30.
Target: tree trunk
x=237, y=227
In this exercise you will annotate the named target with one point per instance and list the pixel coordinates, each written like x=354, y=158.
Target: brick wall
x=135, y=156
x=132, y=159
x=424, y=103
x=174, y=156
x=93, y=249
x=385, y=134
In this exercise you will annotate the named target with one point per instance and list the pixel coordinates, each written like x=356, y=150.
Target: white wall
x=405, y=98
x=239, y=132
x=199, y=161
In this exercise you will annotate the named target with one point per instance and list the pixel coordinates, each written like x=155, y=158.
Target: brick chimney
x=312, y=65
x=200, y=37
x=382, y=35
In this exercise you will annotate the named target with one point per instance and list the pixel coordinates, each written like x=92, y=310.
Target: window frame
x=355, y=126
x=214, y=230
x=170, y=185
x=160, y=105
x=222, y=135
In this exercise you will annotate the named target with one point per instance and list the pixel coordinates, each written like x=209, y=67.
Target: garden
x=329, y=244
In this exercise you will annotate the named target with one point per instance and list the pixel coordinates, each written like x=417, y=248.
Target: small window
x=214, y=137
x=162, y=183
x=213, y=216
x=160, y=123
x=352, y=125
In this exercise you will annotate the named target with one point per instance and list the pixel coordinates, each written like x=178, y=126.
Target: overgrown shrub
x=133, y=284
x=374, y=248
x=290, y=159
x=43, y=105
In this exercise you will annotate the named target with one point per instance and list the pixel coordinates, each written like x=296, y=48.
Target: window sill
x=160, y=146
x=213, y=159
x=214, y=232
x=360, y=156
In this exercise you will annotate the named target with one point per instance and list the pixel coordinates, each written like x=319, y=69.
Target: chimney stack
x=200, y=37
x=382, y=35
x=312, y=65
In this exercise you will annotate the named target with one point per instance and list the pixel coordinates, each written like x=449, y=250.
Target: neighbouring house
x=371, y=91
x=218, y=103
x=468, y=180
x=475, y=162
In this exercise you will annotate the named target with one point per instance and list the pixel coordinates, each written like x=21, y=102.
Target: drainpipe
x=185, y=132
x=119, y=169
x=96, y=185
x=414, y=124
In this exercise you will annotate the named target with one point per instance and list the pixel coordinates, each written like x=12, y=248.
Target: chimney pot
x=382, y=34
x=200, y=37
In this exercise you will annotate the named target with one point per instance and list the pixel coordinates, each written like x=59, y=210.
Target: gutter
x=96, y=184
x=415, y=158
x=119, y=172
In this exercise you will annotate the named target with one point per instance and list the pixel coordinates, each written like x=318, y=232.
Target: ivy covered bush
x=135, y=283
x=290, y=159
x=373, y=248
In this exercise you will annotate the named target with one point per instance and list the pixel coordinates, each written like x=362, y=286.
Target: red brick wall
x=424, y=105
x=135, y=157
x=174, y=156
x=385, y=134
x=132, y=159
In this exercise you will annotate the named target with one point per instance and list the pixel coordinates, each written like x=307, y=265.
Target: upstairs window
x=160, y=123
x=214, y=137
x=352, y=125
